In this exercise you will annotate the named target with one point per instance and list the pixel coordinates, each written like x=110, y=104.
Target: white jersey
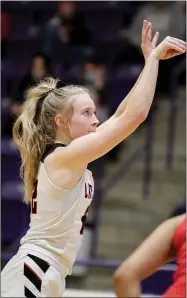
x=58, y=216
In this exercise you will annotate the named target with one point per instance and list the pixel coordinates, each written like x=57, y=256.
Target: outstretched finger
x=155, y=38
x=149, y=32
x=144, y=30
x=146, y=38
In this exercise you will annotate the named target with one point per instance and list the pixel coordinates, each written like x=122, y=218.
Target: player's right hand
x=147, y=43
x=169, y=48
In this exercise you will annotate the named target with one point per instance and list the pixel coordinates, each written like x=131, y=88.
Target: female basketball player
x=166, y=243
x=57, y=136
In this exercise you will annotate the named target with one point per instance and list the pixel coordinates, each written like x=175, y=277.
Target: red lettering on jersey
x=34, y=199
x=83, y=219
x=88, y=191
x=88, y=195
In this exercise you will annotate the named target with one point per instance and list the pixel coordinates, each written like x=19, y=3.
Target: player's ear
x=59, y=120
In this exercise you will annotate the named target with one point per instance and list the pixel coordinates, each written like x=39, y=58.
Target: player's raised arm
x=148, y=44
x=89, y=147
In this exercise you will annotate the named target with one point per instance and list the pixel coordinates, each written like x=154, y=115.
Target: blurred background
x=142, y=181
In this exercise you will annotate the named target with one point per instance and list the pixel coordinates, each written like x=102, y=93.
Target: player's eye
x=86, y=112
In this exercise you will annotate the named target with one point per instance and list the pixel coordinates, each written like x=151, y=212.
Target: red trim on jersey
x=32, y=270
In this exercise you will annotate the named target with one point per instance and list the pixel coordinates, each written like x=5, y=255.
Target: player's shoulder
x=60, y=158
x=57, y=164
x=174, y=222
x=54, y=153
x=180, y=218
x=50, y=149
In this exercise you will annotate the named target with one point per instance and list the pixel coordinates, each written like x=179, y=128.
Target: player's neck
x=61, y=139
x=59, y=142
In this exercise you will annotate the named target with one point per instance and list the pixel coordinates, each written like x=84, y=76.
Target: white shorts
x=26, y=275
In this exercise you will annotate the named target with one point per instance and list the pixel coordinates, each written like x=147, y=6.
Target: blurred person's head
x=92, y=61
x=51, y=113
x=40, y=66
x=93, y=72
x=90, y=65
x=66, y=23
x=66, y=9
x=66, y=13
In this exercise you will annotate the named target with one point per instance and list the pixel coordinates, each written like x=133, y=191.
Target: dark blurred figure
x=65, y=28
x=5, y=30
x=40, y=68
x=94, y=78
x=167, y=17
x=179, y=210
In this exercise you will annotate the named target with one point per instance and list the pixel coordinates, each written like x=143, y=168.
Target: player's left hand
x=148, y=44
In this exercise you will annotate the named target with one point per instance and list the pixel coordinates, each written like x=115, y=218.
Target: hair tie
x=42, y=98
x=59, y=84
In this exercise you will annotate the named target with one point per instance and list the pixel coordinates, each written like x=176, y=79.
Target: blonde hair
x=35, y=128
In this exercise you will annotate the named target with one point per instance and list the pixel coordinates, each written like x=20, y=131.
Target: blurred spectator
x=102, y=111
x=5, y=30
x=94, y=75
x=65, y=28
x=168, y=18
x=40, y=68
x=94, y=78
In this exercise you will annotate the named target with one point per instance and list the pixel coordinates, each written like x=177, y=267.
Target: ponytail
x=35, y=128
x=29, y=138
